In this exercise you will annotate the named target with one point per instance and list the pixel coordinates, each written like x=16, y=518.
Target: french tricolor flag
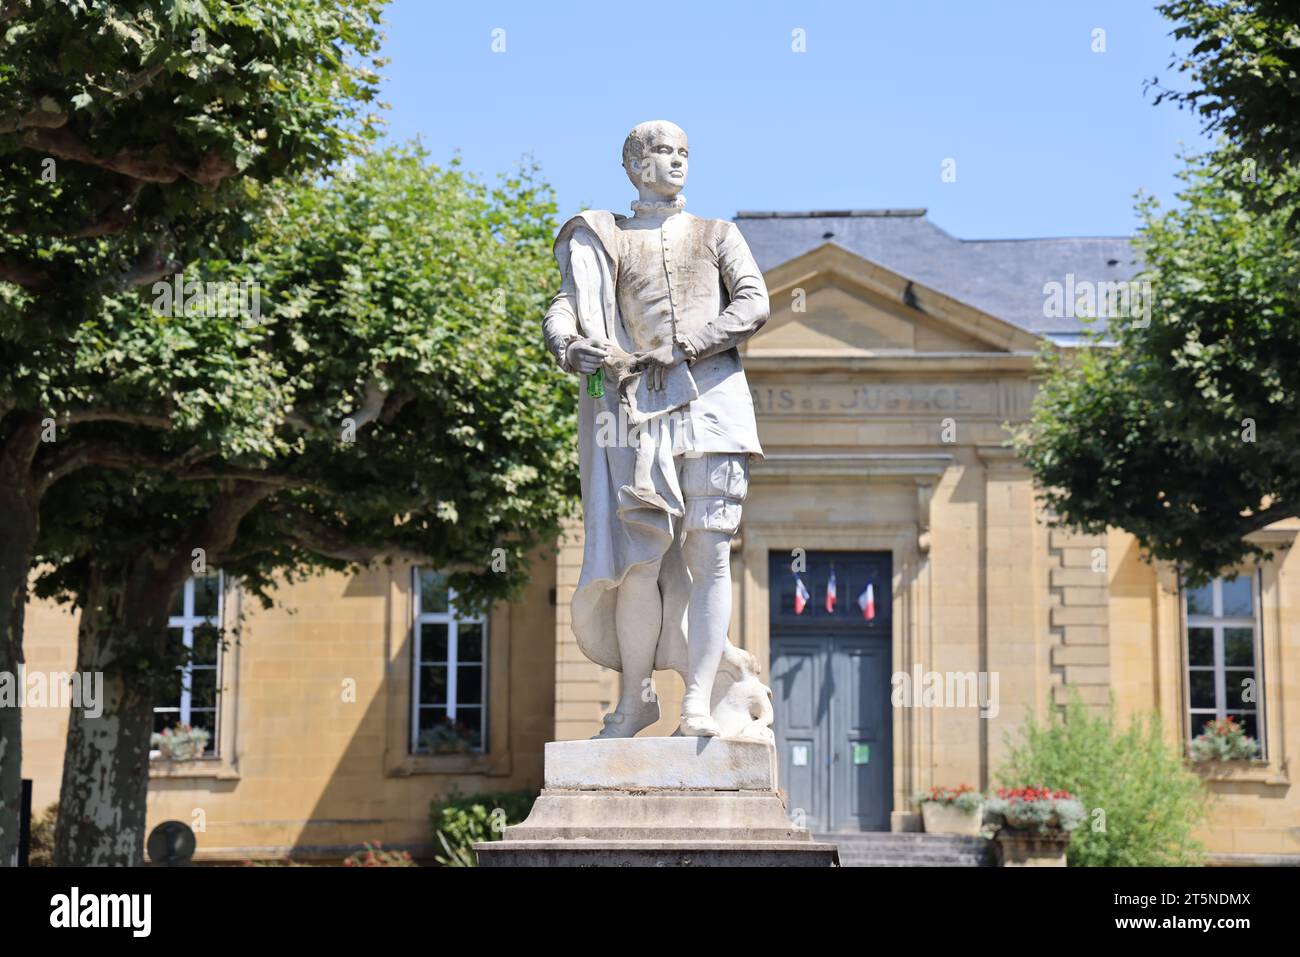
x=801, y=596
x=867, y=602
x=830, y=593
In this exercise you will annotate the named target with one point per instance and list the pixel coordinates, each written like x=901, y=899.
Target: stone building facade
x=894, y=358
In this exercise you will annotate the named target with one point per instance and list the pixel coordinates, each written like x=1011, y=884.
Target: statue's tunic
x=695, y=281
x=642, y=283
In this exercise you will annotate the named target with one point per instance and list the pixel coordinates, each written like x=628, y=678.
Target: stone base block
x=714, y=764
x=658, y=802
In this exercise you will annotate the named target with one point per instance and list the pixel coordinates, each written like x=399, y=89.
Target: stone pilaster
x=1078, y=595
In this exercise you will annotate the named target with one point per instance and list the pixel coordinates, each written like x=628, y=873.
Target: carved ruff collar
x=659, y=206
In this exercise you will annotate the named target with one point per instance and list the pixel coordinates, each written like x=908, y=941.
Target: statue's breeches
x=713, y=488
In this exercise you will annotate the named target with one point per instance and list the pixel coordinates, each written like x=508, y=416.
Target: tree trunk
x=18, y=518
x=123, y=633
x=102, y=801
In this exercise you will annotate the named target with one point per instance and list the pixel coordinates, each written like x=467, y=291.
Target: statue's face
x=662, y=167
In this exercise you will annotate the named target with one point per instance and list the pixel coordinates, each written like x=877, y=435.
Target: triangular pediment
x=832, y=302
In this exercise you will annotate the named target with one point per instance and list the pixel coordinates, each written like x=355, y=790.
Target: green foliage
x=392, y=398
x=1142, y=803
x=461, y=821
x=160, y=118
x=1244, y=62
x=1185, y=432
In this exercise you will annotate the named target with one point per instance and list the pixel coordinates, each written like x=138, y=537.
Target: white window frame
x=187, y=621
x=453, y=620
x=1217, y=623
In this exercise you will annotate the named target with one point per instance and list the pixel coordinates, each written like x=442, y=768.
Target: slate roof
x=1003, y=277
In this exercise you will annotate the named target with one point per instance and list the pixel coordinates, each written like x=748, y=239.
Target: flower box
x=949, y=819
x=1033, y=825
x=181, y=743
x=1222, y=741
x=958, y=810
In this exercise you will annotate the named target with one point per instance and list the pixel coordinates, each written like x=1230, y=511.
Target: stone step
x=630, y=853
x=869, y=863
x=910, y=849
x=893, y=862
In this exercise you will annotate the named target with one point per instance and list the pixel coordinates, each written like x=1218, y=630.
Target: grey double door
x=830, y=685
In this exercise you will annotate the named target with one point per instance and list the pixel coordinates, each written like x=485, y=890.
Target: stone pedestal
x=658, y=802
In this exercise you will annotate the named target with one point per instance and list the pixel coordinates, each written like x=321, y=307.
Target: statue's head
x=655, y=158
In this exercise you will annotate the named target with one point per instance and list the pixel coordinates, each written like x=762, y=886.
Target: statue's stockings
x=708, y=615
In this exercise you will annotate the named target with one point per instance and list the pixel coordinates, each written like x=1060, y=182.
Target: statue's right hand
x=585, y=356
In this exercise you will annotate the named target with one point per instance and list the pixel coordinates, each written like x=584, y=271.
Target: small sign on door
x=861, y=752
x=799, y=755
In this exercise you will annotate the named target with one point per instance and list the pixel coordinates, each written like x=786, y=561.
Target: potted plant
x=951, y=810
x=1222, y=740
x=180, y=743
x=448, y=737
x=374, y=855
x=1033, y=825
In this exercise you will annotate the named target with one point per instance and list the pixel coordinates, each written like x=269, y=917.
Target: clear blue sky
x=1049, y=137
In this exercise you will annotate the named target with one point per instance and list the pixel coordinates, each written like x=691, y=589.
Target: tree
x=412, y=413
x=1245, y=64
x=133, y=136
x=1185, y=432
x=1183, y=428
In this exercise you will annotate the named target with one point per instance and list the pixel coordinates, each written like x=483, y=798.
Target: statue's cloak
x=627, y=518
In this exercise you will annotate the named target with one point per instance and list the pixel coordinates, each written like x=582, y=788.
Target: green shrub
x=460, y=821
x=1142, y=801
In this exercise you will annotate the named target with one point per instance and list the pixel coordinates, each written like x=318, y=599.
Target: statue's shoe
x=699, y=726
x=620, y=724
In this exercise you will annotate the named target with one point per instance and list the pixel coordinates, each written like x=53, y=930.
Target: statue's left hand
x=657, y=362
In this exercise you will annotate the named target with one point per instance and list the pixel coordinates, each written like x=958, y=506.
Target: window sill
x=413, y=764
x=1252, y=772
x=195, y=768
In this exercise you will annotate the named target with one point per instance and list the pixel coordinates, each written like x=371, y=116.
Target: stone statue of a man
x=657, y=303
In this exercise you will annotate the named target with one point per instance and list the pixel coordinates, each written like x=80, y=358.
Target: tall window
x=1222, y=654
x=195, y=624
x=449, y=714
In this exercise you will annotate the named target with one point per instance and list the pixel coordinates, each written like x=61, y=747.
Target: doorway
x=831, y=687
